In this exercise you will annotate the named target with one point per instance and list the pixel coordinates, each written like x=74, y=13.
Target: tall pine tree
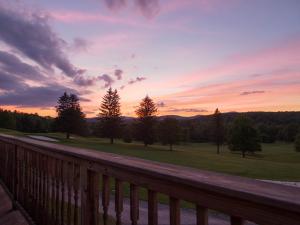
x=146, y=120
x=110, y=115
x=70, y=118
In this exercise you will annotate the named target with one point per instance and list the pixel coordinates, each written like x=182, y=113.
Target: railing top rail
x=254, y=191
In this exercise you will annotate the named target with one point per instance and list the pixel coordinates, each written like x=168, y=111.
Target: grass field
x=277, y=161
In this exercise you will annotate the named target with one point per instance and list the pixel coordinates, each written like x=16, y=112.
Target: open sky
x=190, y=56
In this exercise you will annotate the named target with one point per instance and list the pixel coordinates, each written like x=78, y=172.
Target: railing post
x=89, y=185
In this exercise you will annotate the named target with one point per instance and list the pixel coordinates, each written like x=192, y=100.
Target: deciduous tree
x=243, y=136
x=169, y=132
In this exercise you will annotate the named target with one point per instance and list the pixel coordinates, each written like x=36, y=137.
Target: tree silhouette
x=169, y=131
x=110, y=115
x=146, y=113
x=70, y=118
x=218, y=129
x=243, y=136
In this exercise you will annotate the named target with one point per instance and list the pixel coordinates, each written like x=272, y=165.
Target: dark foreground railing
x=56, y=184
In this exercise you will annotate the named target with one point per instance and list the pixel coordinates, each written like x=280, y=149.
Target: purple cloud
x=108, y=81
x=35, y=96
x=160, y=104
x=115, y=5
x=148, y=8
x=80, y=44
x=31, y=35
x=137, y=79
x=252, y=92
x=191, y=110
x=118, y=74
x=13, y=65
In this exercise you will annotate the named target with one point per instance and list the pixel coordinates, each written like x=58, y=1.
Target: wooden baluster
x=21, y=172
x=174, y=211
x=16, y=174
x=48, y=184
x=134, y=204
x=62, y=204
x=152, y=208
x=57, y=171
x=105, y=197
x=202, y=215
x=76, y=187
x=15, y=177
x=234, y=220
x=119, y=201
x=26, y=180
x=43, y=192
x=69, y=190
x=36, y=184
x=52, y=199
x=89, y=196
x=40, y=188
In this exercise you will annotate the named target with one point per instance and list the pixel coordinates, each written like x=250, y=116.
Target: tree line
x=240, y=131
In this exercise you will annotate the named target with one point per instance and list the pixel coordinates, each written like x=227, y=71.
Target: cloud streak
x=252, y=92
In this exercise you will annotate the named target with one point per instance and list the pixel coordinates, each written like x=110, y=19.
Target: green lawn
x=277, y=161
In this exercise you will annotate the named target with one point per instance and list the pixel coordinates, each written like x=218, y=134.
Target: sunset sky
x=190, y=56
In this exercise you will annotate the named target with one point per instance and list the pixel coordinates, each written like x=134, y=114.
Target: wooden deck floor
x=8, y=216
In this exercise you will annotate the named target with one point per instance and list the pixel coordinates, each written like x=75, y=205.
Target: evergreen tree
x=110, y=115
x=218, y=129
x=70, y=118
x=243, y=136
x=169, y=132
x=146, y=120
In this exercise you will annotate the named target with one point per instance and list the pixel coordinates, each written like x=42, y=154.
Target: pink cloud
x=69, y=16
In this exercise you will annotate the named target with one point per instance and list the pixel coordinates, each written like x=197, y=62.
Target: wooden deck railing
x=56, y=184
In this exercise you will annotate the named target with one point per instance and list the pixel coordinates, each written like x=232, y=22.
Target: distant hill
x=263, y=117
